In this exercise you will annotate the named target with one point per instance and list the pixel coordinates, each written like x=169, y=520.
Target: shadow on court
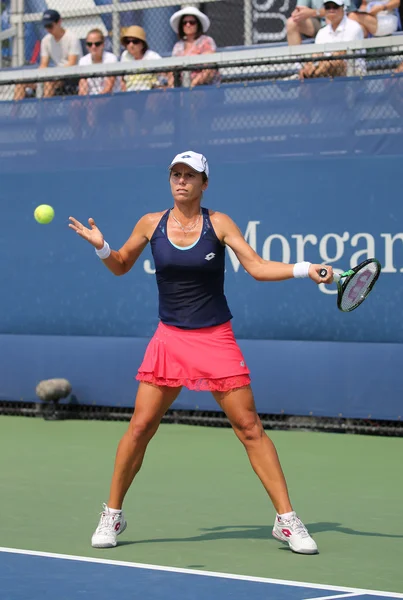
x=256, y=532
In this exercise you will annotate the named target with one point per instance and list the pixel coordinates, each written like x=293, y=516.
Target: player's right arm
x=119, y=261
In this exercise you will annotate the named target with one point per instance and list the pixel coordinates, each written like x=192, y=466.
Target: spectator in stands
x=60, y=46
x=190, y=24
x=93, y=86
x=378, y=18
x=134, y=40
x=338, y=29
x=305, y=20
x=95, y=43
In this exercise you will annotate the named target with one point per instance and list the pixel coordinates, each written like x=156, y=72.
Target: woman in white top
x=95, y=86
x=378, y=17
x=134, y=41
x=143, y=107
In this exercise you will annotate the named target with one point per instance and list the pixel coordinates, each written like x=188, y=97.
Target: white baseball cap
x=198, y=162
x=338, y=2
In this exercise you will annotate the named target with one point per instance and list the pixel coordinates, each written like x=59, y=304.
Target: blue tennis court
x=37, y=575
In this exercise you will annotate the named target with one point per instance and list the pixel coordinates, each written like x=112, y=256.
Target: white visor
x=198, y=162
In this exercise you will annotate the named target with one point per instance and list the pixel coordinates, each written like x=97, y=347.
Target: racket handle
x=336, y=276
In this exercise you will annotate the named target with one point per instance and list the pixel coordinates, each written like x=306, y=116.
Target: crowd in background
x=61, y=47
x=325, y=22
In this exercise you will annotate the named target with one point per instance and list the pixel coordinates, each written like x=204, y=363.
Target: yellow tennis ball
x=44, y=214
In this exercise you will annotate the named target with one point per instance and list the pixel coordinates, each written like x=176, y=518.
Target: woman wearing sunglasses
x=134, y=40
x=190, y=24
x=95, y=43
x=139, y=116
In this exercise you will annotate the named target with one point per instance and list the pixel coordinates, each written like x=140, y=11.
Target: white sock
x=114, y=511
x=287, y=515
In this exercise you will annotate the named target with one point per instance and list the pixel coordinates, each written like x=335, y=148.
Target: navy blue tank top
x=190, y=280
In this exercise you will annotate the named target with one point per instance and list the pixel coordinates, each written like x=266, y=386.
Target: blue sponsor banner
x=308, y=172
x=334, y=211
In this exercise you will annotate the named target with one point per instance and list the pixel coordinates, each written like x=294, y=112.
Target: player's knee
x=143, y=430
x=249, y=429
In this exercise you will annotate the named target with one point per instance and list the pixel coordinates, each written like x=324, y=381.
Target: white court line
x=121, y=563
x=338, y=596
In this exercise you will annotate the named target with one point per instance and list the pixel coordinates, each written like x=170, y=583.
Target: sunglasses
x=330, y=5
x=128, y=41
x=49, y=26
x=189, y=22
x=97, y=44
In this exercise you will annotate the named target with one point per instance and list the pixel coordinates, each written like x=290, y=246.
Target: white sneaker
x=109, y=527
x=293, y=532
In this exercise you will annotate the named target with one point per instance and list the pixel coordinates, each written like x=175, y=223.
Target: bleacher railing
x=354, y=59
x=239, y=104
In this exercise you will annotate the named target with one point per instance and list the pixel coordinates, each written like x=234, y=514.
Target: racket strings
x=359, y=286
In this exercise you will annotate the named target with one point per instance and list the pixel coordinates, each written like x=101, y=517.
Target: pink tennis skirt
x=207, y=359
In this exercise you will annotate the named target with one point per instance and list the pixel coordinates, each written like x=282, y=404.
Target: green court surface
x=197, y=503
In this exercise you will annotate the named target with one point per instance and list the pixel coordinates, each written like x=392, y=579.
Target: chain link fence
x=277, y=422
x=237, y=104
x=197, y=73
x=233, y=22
x=6, y=35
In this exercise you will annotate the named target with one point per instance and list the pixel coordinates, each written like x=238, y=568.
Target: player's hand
x=92, y=235
x=314, y=271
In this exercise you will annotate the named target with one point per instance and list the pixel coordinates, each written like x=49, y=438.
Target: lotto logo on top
x=209, y=256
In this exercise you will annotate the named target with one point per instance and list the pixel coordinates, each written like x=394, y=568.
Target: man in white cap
x=338, y=29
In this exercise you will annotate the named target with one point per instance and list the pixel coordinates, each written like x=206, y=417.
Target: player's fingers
x=75, y=222
x=91, y=223
x=328, y=278
x=81, y=232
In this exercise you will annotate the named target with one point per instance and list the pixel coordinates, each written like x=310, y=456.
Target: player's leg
x=239, y=406
x=151, y=404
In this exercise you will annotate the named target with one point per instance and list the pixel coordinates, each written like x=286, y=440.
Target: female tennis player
x=194, y=345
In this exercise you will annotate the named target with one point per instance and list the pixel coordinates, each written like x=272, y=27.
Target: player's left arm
x=261, y=270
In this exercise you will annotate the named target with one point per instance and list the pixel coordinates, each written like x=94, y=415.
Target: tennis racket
x=354, y=285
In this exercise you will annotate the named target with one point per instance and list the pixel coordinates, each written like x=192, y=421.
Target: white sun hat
x=189, y=10
x=198, y=162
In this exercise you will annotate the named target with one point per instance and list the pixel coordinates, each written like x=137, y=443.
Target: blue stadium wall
x=307, y=176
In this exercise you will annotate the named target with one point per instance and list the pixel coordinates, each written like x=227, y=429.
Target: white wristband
x=104, y=252
x=301, y=269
